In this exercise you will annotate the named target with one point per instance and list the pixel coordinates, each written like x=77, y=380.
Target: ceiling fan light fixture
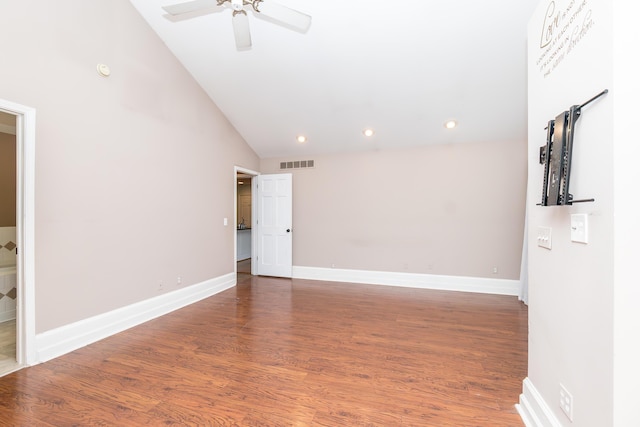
x=275, y=12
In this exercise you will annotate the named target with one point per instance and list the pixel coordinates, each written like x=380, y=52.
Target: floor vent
x=298, y=164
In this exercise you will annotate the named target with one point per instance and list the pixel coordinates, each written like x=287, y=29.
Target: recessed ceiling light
x=368, y=132
x=301, y=139
x=450, y=124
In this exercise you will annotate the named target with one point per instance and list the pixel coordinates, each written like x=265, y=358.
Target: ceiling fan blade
x=241, y=30
x=291, y=18
x=190, y=6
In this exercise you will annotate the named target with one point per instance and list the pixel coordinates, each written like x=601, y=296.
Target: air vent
x=298, y=164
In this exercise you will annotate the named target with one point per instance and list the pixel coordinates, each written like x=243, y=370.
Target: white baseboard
x=411, y=280
x=532, y=408
x=65, y=339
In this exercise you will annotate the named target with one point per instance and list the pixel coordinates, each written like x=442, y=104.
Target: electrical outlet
x=179, y=281
x=579, y=228
x=495, y=270
x=566, y=402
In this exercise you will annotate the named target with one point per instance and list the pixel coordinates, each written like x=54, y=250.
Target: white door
x=274, y=232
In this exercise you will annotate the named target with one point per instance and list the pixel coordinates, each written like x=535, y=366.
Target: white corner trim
x=532, y=408
x=62, y=340
x=411, y=280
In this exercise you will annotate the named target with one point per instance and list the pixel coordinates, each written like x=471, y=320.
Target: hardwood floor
x=244, y=266
x=279, y=352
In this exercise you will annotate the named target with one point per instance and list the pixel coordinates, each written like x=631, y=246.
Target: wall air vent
x=298, y=164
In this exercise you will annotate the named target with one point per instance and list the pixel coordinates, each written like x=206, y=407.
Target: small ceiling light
x=451, y=124
x=302, y=139
x=368, y=132
x=240, y=182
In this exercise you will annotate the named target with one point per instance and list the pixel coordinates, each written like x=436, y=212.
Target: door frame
x=236, y=170
x=25, y=230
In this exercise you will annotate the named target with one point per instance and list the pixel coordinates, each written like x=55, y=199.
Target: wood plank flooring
x=244, y=266
x=279, y=352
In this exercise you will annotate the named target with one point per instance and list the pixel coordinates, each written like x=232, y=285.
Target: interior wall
x=133, y=172
x=626, y=351
x=453, y=210
x=571, y=286
x=7, y=180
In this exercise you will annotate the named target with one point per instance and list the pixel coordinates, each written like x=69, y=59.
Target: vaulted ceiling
x=401, y=68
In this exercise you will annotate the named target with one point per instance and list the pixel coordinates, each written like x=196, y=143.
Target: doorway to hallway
x=8, y=242
x=244, y=213
x=18, y=246
x=267, y=237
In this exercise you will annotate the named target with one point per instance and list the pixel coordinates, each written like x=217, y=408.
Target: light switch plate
x=579, y=228
x=544, y=237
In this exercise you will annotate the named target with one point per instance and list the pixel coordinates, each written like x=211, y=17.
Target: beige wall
x=7, y=180
x=449, y=209
x=134, y=173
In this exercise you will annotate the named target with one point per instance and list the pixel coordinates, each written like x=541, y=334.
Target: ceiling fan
x=273, y=11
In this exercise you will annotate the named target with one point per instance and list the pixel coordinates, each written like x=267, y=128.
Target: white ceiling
x=402, y=68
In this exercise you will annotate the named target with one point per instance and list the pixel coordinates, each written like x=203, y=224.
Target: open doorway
x=17, y=123
x=244, y=212
x=269, y=231
x=8, y=242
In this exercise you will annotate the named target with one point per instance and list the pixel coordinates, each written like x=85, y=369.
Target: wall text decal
x=562, y=29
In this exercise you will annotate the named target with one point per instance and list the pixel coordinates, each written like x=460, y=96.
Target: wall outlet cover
x=579, y=228
x=566, y=402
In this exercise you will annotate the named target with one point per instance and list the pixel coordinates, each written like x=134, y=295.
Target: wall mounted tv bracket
x=556, y=157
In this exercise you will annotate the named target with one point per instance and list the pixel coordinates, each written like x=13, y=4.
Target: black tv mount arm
x=556, y=156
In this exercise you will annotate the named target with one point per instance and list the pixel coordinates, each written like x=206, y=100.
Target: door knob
x=288, y=230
